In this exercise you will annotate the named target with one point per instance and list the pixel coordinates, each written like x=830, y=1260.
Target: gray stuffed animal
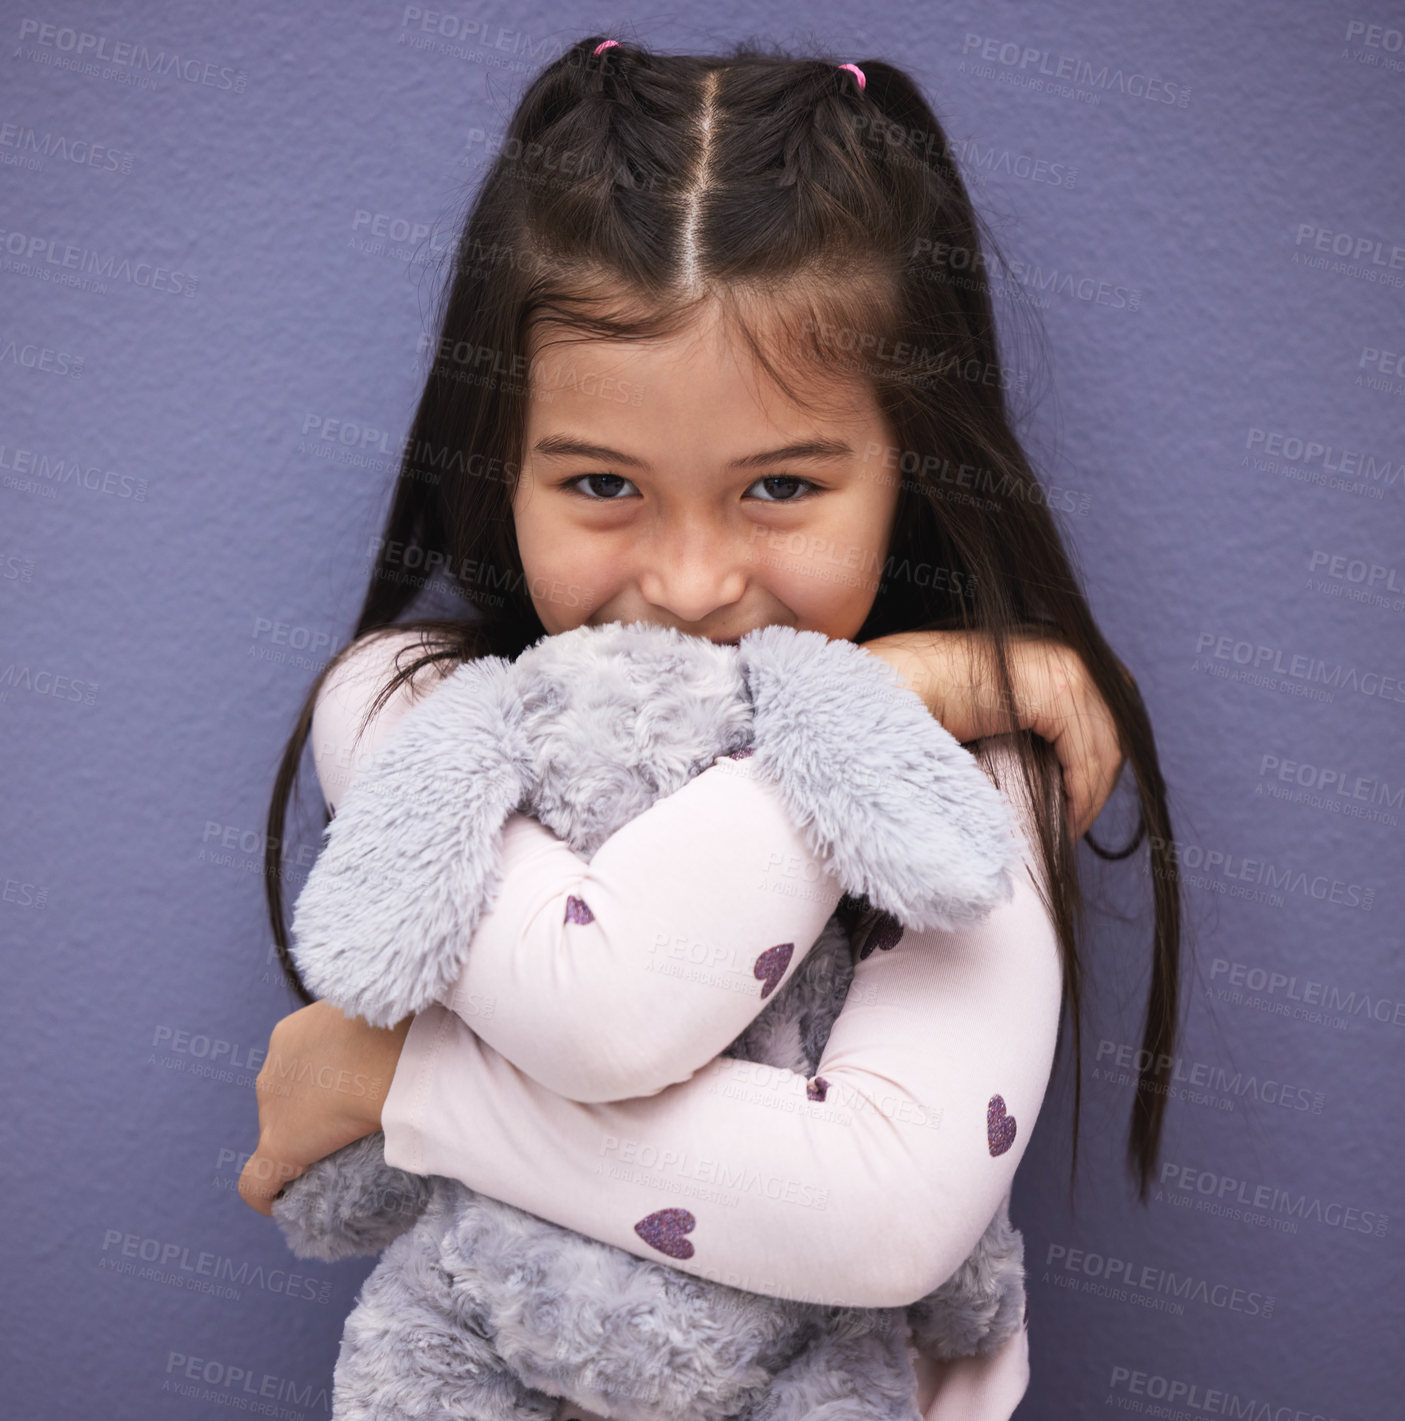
x=478, y=1309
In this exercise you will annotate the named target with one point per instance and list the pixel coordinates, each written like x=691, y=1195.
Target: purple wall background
x=182, y=546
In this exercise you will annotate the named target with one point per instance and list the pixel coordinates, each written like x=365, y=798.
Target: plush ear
x=905, y=816
x=412, y=857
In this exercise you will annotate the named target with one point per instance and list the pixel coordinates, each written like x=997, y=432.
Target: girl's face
x=670, y=482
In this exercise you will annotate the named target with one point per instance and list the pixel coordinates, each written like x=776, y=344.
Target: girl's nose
x=694, y=573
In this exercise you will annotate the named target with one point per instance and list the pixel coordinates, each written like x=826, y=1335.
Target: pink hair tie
x=605, y=44
x=857, y=73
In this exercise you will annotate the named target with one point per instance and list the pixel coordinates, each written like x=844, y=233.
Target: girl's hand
x=321, y=1087
x=1054, y=697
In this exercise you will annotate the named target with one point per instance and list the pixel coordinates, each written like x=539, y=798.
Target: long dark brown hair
x=831, y=224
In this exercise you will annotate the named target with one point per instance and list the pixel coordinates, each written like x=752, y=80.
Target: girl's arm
x=613, y=977
x=1055, y=697
x=866, y=1185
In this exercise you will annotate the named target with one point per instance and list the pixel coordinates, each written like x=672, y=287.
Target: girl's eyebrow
x=806, y=449
x=562, y=446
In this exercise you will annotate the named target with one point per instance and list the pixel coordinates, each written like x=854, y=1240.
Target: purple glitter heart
x=578, y=911
x=770, y=966
x=887, y=933
x=664, y=1230
x=999, y=1127
x=817, y=1089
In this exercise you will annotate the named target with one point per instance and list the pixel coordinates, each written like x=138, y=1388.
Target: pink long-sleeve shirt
x=572, y=1068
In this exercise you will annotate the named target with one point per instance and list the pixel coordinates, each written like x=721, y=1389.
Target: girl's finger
x=1109, y=756
x=1078, y=787
x=263, y=1178
x=1085, y=743
x=1101, y=756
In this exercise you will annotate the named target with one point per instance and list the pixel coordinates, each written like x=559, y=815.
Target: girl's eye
x=810, y=488
x=613, y=480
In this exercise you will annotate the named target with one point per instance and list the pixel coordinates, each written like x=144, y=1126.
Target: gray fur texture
x=480, y=1310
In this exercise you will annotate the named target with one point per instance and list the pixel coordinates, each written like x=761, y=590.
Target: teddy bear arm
x=350, y=1203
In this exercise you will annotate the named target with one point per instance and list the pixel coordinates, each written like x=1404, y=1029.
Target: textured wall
x=1209, y=211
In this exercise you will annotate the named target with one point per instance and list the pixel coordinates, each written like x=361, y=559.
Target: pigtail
x=822, y=125
x=906, y=134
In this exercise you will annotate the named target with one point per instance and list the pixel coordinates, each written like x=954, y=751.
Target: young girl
x=719, y=353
